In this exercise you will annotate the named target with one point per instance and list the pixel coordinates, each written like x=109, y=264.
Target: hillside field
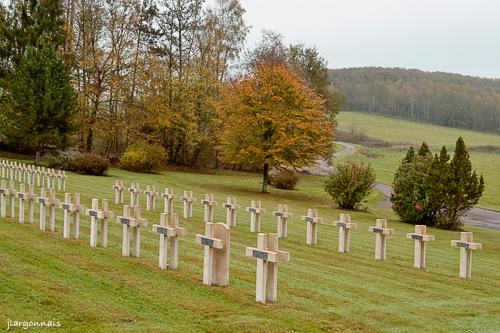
x=399, y=134
x=44, y=277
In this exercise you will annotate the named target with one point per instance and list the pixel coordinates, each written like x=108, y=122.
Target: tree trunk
x=90, y=140
x=265, y=178
x=37, y=157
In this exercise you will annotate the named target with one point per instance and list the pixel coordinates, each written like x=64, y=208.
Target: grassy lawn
x=395, y=131
x=44, y=277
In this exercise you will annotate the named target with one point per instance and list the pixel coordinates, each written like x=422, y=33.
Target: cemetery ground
x=394, y=137
x=45, y=277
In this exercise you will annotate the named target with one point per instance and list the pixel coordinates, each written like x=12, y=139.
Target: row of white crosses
x=151, y=195
x=420, y=237
x=32, y=175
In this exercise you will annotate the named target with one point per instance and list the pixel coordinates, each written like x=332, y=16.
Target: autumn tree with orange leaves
x=272, y=119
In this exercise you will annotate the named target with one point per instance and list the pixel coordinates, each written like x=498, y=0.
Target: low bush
x=350, y=184
x=59, y=160
x=143, y=157
x=285, y=180
x=90, y=164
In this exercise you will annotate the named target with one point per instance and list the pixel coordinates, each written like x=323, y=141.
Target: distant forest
x=440, y=98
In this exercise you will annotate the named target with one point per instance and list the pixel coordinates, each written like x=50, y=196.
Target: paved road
x=322, y=167
x=477, y=216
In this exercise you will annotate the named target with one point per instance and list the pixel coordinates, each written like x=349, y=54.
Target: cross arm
x=347, y=225
x=312, y=219
x=209, y=241
x=282, y=214
x=383, y=231
x=467, y=245
x=94, y=213
x=420, y=237
x=272, y=256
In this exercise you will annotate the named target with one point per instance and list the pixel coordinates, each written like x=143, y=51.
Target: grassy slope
x=402, y=131
x=44, y=277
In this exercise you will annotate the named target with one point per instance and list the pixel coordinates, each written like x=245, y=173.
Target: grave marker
x=209, y=203
x=131, y=224
x=188, y=200
x=30, y=197
x=169, y=231
x=12, y=194
x=466, y=246
x=134, y=194
x=118, y=191
x=168, y=200
x=75, y=209
x=231, y=211
x=421, y=238
x=3, y=199
x=255, y=211
x=151, y=195
x=102, y=215
x=216, y=253
x=52, y=203
x=268, y=256
x=381, y=232
x=345, y=225
x=282, y=214
x=312, y=221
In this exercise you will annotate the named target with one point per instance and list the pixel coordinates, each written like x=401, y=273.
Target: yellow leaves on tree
x=273, y=119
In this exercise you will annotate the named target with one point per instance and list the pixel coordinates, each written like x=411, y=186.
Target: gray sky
x=459, y=36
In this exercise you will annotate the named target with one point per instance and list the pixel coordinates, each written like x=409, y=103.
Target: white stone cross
x=51, y=202
x=209, y=203
x=421, y=238
x=188, y=200
x=131, y=224
x=216, y=253
x=283, y=215
x=71, y=208
x=12, y=194
x=151, y=195
x=169, y=231
x=30, y=197
x=103, y=215
x=134, y=194
x=118, y=186
x=312, y=221
x=381, y=232
x=231, y=211
x=168, y=200
x=256, y=212
x=466, y=246
x=3, y=200
x=268, y=256
x=345, y=225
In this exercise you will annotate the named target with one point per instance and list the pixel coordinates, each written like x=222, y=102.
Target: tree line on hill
x=440, y=98
x=105, y=76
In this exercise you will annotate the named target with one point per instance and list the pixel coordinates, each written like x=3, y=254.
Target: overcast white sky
x=459, y=36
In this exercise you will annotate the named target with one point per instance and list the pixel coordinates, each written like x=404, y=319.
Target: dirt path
x=477, y=216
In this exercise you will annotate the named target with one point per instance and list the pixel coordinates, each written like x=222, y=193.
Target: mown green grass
x=396, y=132
x=45, y=277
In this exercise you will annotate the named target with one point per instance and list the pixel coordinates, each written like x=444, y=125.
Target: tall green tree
x=465, y=187
x=41, y=101
x=434, y=190
x=409, y=197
